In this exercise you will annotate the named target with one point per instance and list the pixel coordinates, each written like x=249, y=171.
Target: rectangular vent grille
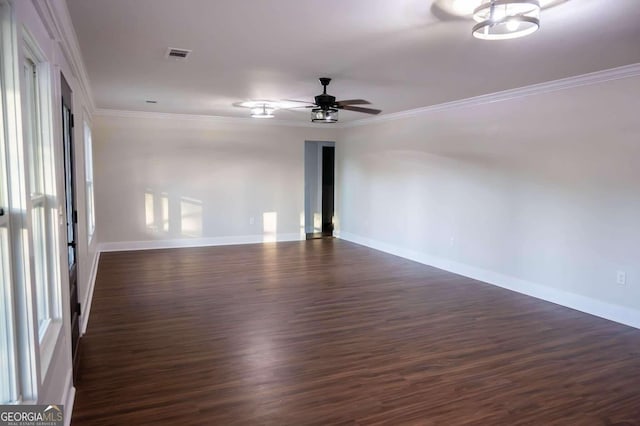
x=177, y=53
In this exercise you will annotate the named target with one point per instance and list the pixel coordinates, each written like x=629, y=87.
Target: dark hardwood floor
x=326, y=332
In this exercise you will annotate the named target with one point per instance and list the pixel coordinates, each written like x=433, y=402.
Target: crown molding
x=57, y=20
x=102, y=112
x=618, y=73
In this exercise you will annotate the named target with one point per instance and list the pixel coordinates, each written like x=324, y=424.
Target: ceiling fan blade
x=354, y=102
x=359, y=109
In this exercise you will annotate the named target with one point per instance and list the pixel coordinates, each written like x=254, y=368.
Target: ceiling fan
x=325, y=108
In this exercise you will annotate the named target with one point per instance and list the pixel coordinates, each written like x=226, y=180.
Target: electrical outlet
x=452, y=242
x=621, y=277
x=251, y=220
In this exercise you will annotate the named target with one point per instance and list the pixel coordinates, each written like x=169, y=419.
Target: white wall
x=217, y=177
x=539, y=193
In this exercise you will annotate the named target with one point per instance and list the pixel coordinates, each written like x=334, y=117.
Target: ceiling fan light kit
x=329, y=115
x=506, y=19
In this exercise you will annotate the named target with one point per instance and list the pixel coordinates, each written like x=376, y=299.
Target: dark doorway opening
x=328, y=169
x=319, y=189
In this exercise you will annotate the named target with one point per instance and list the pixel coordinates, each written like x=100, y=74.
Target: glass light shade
x=319, y=115
x=263, y=111
x=506, y=19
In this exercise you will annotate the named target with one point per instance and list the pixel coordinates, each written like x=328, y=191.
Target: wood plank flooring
x=326, y=332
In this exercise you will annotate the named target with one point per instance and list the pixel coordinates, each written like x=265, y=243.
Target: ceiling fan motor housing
x=325, y=101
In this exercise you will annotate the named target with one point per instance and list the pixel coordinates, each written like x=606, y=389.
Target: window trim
x=48, y=337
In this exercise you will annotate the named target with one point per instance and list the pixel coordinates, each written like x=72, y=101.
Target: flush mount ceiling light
x=263, y=111
x=260, y=109
x=324, y=115
x=506, y=19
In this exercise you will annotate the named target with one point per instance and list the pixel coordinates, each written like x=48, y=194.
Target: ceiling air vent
x=174, y=53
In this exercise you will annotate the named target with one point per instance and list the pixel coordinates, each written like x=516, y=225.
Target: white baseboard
x=86, y=307
x=68, y=398
x=620, y=314
x=197, y=242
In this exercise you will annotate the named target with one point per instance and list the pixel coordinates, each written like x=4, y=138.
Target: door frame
x=71, y=210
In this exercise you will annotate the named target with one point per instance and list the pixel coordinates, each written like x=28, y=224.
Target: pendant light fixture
x=506, y=19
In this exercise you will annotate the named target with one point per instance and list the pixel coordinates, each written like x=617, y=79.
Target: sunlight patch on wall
x=164, y=211
x=149, y=211
x=270, y=226
x=164, y=216
x=191, y=217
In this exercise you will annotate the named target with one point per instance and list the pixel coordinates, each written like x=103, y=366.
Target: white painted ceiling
x=398, y=54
